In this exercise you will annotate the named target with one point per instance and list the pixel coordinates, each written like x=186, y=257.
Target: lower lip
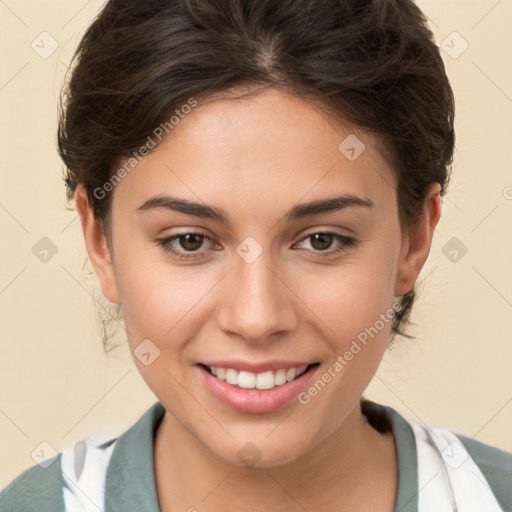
x=255, y=401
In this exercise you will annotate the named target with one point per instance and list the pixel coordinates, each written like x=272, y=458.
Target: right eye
x=190, y=242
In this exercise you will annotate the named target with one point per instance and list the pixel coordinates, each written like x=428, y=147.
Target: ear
x=416, y=245
x=97, y=247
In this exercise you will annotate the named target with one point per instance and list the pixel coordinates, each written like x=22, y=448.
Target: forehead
x=272, y=148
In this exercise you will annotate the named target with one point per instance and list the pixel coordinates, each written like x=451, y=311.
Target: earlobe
x=97, y=247
x=416, y=246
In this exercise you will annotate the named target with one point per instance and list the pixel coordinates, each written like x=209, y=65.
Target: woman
x=258, y=185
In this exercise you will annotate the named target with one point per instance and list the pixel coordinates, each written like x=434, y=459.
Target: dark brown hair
x=372, y=63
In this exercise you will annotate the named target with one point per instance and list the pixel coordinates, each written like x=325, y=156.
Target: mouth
x=256, y=393
x=265, y=380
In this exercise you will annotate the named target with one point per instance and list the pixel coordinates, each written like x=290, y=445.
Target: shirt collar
x=130, y=481
x=385, y=418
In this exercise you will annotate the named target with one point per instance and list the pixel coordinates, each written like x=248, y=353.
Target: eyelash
x=347, y=242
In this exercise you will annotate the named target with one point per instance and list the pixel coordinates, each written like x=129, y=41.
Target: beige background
x=56, y=384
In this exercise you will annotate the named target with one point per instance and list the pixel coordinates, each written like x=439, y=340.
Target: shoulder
x=478, y=472
x=37, y=488
x=496, y=466
x=72, y=480
x=77, y=476
x=488, y=456
x=469, y=464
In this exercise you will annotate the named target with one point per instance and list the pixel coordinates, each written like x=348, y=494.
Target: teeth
x=291, y=373
x=250, y=380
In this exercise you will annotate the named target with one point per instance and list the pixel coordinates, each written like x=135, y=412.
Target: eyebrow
x=316, y=207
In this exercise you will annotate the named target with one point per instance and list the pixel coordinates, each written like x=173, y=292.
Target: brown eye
x=184, y=245
x=191, y=241
x=321, y=241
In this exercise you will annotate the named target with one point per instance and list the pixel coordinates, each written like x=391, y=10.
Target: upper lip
x=251, y=366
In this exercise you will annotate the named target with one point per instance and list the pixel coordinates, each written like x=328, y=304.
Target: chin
x=259, y=451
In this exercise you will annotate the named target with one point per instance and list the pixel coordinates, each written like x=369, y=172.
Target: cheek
x=163, y=301
x=157, y=298
x=351, y=296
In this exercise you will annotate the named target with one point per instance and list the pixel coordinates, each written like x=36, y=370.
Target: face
x=250, y=280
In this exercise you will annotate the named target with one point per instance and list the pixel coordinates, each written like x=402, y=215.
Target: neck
x=354, y=468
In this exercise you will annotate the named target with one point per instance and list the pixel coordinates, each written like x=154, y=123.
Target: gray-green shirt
x=130, y=479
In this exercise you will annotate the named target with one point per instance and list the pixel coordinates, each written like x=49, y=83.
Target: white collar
x=449, y=480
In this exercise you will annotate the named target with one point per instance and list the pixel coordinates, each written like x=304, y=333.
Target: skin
x=256, y=158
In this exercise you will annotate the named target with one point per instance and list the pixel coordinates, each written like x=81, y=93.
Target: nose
x=256, y=301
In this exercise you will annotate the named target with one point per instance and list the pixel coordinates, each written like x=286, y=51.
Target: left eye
x=322, y=240
x=190, y=242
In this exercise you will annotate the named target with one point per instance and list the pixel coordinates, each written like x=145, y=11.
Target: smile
x=256, y=391
x=249, y=380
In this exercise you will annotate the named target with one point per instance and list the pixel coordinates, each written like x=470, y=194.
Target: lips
x=250, y=398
